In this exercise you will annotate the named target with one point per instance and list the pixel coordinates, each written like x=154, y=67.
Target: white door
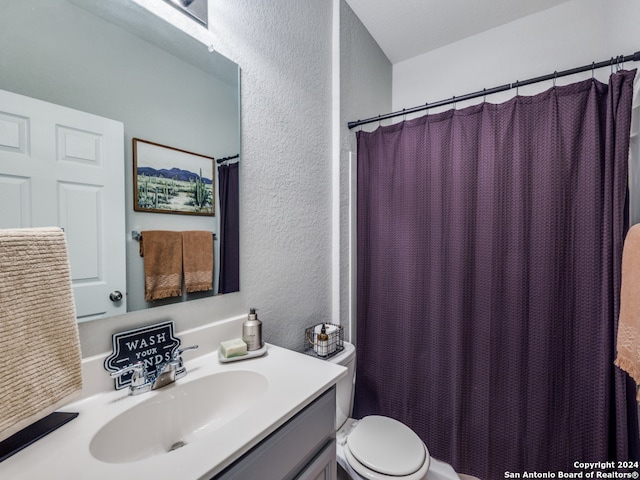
x=62, y=167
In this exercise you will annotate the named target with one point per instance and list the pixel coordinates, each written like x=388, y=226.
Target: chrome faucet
x=142, y=381
x=139, y=380
x=172, y=370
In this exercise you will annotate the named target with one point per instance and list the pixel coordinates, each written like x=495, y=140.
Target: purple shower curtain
x=229, y=279
x=489, y=254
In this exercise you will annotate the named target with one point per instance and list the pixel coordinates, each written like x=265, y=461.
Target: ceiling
x=407, y=28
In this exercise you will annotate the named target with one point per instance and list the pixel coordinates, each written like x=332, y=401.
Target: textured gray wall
x=365, y=91
x=284, y=49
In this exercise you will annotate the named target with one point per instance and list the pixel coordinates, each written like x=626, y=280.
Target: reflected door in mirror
x=62, y=167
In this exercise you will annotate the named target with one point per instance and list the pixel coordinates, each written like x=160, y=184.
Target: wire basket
x=323, y=345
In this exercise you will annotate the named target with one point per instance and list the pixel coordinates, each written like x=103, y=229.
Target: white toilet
x=376, y=447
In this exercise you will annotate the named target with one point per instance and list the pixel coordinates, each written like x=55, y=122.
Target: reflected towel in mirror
x=197, y=258
x=162, y=253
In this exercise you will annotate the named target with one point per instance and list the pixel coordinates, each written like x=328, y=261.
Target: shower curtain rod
x=488, y=91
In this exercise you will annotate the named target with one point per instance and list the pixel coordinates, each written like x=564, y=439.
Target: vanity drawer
x=294, y=448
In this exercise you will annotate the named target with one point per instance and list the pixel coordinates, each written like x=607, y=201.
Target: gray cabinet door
x=292, y=450
x=323, y=467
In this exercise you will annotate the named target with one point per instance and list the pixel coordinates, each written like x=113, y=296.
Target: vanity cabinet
x=304, y=448
x=323, y=467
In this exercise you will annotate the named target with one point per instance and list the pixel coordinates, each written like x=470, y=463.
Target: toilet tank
x=345, y=386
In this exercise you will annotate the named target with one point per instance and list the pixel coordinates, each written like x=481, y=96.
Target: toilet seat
x=381, y=448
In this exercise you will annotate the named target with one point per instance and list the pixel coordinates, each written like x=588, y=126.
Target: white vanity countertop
x=294, y=381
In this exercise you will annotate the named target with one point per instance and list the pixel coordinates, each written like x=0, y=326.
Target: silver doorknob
x=115, y=296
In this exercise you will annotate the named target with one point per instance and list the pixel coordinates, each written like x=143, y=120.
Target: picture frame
x=171, y=180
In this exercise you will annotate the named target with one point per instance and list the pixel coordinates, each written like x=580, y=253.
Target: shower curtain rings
x=593, y=70
x=517, y=88
x=555, y=77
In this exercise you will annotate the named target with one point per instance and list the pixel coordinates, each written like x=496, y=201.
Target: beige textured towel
x=197, y=258
x=39, y=342
x=162, y=252
x=628, y=341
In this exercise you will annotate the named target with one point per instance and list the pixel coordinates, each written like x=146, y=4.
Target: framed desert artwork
x=170, y=180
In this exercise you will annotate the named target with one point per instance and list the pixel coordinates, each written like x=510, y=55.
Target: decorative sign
x=153, y=345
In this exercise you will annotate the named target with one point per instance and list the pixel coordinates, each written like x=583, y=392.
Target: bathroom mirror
x=117, y=60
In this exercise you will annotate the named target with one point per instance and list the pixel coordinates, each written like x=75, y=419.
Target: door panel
x=62, y=167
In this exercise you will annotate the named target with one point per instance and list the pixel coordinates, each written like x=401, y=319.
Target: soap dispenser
x=252, y=331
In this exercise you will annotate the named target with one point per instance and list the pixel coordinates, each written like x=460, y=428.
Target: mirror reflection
x=115, y=61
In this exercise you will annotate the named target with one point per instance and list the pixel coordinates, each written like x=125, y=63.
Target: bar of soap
x=233, y=348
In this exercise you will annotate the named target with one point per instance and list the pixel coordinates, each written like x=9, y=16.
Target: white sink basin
x=177, y=415
x=219, y=410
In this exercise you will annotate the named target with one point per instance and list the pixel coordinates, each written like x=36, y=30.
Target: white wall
x=572, y=34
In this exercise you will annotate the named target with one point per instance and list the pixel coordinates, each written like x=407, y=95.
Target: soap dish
x=250, y=354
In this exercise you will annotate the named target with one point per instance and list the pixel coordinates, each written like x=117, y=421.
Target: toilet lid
x=387, y=446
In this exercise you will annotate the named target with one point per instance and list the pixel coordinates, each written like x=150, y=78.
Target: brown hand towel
x=197, y=255
x=628, y=341
x=162, y=252
x=39, y=342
